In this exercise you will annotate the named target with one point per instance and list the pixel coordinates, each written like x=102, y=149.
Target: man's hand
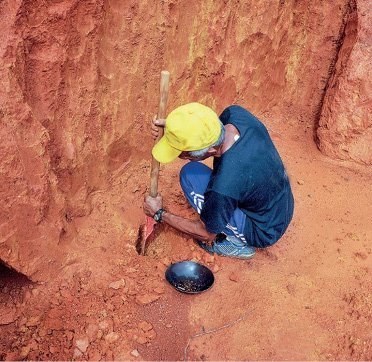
x=152, y=204
x=156, y=123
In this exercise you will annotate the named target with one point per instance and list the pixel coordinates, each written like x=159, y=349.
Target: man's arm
x=193, y=228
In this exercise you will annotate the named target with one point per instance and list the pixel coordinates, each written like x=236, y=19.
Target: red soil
x=311, y=291
x=79, y=87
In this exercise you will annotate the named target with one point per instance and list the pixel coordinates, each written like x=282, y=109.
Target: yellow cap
x=190, y=127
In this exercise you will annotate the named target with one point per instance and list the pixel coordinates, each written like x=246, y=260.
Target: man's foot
x=226, y=247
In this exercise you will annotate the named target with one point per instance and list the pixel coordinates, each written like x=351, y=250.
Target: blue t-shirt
x=251, y=176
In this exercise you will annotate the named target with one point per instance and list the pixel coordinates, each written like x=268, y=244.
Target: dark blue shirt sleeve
x=217, y=211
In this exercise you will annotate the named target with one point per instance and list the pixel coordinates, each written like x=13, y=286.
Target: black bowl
x=189, y=277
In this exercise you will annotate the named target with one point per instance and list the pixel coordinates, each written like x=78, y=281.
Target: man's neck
x=231, y=136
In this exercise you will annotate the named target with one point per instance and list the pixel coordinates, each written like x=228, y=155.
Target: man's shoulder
x=236, y=113
x=231, y=110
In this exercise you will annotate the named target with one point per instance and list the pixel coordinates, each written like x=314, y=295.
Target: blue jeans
x=194, y=179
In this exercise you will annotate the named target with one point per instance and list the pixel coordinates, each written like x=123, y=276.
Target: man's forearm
x=193, y=228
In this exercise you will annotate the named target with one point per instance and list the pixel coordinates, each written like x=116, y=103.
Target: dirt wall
x=345, y=127
x=80, y=83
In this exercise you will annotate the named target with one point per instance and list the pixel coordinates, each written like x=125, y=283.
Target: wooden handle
x=162, y=113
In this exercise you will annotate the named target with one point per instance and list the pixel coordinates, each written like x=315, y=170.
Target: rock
x=132, y=334
x=118, y=284
x=23, y=329
x=234, y=277
x=159, y=290
x=109, y=355
x=209, y=258
x=145, y=326
x=24, y=352
x=43, y=332
x=151, y=334
x=92, y=331
x=94, y=355
x=77, y=353
x=141, y=340
x=166, y=261
x=111, y=337
x=103, y=325
x=196, y=255
x=134, y=353
x=300, y=182
x=13, y=356
x=69, y=335
x=33, y=321
x=146, y=298
x=82, y=344
x=53, y=349
x=7, y=315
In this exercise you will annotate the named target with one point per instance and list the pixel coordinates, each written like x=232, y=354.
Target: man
x=246, y=201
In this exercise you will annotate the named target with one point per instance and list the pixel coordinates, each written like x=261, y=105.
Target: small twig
x=215, y=330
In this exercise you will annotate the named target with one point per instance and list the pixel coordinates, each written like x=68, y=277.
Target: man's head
x=191, y=132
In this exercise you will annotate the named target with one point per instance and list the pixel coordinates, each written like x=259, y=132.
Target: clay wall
x=80, y=84
x=345, y=125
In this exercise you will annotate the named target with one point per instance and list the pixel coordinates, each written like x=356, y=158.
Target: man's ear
x=212, y=151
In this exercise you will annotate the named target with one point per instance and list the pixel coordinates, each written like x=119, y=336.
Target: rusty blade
x=148, y=233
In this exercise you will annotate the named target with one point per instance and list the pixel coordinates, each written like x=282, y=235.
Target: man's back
x=250, y=176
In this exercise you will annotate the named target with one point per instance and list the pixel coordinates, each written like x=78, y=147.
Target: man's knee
x=186, y=170
x=185, y=173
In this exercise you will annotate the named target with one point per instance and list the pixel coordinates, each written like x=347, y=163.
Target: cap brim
x=165, y=153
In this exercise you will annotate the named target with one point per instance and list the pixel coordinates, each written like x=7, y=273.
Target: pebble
x=151, y=334
x=35, y=292
x=82, y=344
x=42, y=332
x=134, y=353
x=77, y=353
x=92, y=332
x=300, y=182
x=209, y=258
x=7, y=316
x=145, y=326
x=94, y=355
x=111, y=337
x=159, y=290
x=24, y=351
x=166, y=261
x=33, y=321
x=69, y=335
x=141, y=340
x=53, y=349
x=234, y=277
x=146, y=298
x=118, y=284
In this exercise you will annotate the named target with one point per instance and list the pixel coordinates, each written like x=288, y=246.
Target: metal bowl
x=189, y=277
